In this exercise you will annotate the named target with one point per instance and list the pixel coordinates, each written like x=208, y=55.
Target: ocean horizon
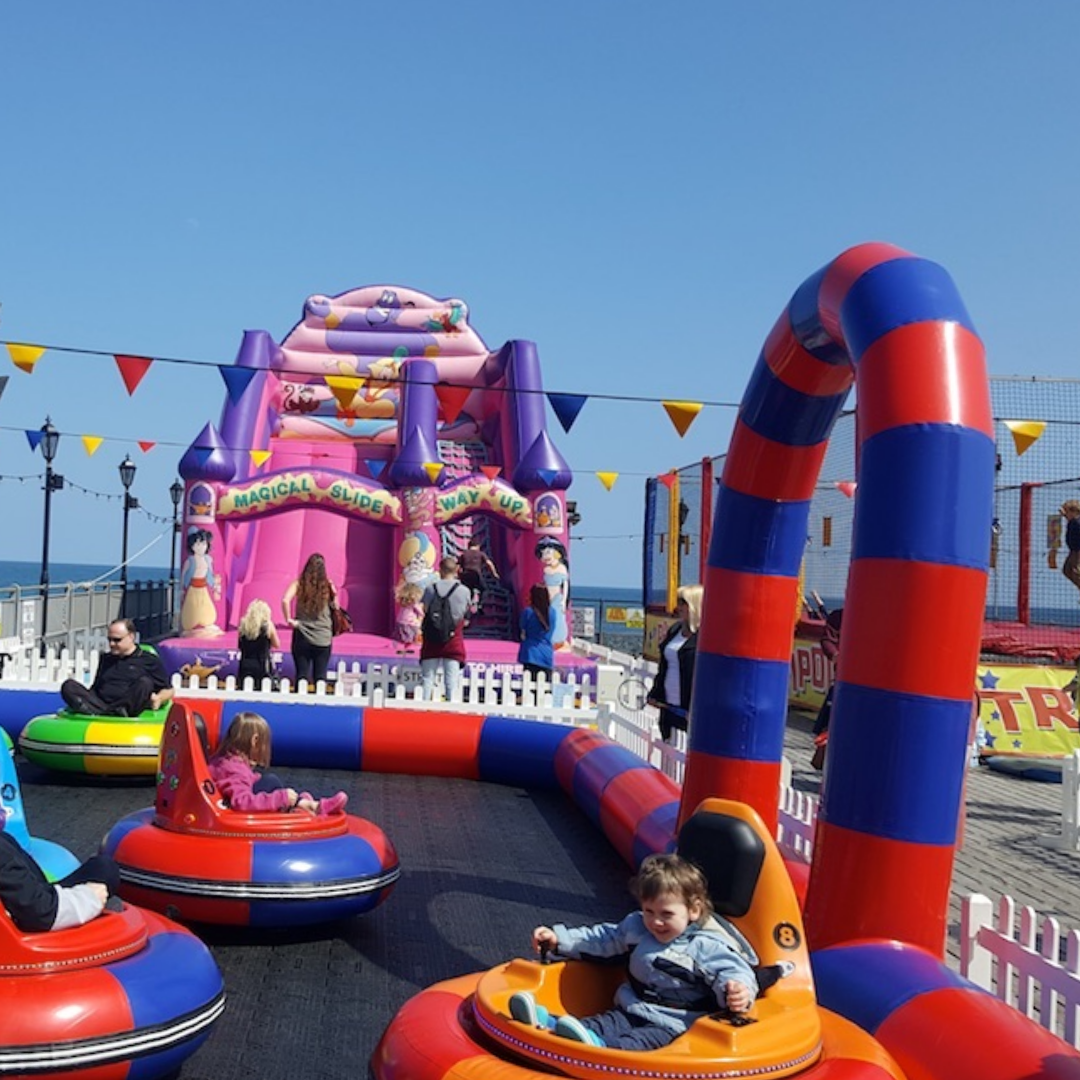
x=13, y=572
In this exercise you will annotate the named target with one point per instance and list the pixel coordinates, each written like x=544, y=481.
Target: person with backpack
x=446, y=603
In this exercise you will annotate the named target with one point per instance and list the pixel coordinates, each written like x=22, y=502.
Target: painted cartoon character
x=416, y=557
x=446, y=322
x=299, y=398
x=552, y=556
x=549, y=512
x=198, y=613
x=387, y=309
x=409, y=614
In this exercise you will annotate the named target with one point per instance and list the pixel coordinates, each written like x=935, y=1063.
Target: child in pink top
x=233, y=768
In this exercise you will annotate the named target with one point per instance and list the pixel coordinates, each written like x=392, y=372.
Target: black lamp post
x=50, y=442
x=127, y=478
x=176, y=493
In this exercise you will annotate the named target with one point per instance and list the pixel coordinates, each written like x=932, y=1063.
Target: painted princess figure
x=552, y=556
x=410, y=614
x=198, y=612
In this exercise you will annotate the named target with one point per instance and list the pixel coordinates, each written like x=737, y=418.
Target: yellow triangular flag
x=433, y=468
x=258, y=457
x=24, y=357
x=1025, y=433
x=607, y=479
x=344, y=388
x=92, y=442
x=682, y=414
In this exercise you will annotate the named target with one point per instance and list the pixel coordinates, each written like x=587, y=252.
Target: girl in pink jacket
x=244, y=750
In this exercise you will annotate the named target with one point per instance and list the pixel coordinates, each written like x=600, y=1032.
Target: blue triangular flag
x=567, y=407
x=547, y=475
x=375, y=467
x=3, y=384
x=33, y=438
x=237, y=380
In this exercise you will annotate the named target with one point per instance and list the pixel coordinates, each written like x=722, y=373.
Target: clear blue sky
x=637, y=188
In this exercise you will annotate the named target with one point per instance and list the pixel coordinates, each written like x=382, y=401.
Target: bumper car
x=462, y=1028
x=192, y=858
x=95, y=745
x=54, y=860
x=91, y=1000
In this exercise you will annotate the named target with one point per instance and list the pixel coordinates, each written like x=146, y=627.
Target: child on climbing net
x=234, y=768
x=683, y=963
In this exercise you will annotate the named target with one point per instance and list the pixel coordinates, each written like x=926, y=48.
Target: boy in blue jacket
x=683, y=963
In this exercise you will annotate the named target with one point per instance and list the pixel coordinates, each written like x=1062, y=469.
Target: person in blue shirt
x=684, y=963
x=536, y=652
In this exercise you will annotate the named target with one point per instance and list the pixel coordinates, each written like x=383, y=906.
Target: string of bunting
x=452, y=399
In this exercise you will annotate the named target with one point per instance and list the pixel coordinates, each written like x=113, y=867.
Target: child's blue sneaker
x=524, y=1010
x=570, y=1027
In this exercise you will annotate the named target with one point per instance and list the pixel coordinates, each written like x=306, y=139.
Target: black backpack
x=438, y=626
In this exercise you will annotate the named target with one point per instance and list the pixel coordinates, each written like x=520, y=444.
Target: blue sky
x=637, y=188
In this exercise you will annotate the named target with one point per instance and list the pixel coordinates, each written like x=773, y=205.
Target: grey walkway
x=1003, y=851
x=481, y=865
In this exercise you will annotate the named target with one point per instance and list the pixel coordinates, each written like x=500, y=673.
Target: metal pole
x=45, y=555
x=123, y=557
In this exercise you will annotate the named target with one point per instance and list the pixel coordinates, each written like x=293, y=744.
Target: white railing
x=1017, y=957
x=561, y=699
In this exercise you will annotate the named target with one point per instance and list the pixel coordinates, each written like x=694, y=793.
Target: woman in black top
x=675, y=678
x=257, y=637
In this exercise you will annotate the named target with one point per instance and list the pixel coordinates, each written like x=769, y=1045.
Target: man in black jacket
x=129, y=679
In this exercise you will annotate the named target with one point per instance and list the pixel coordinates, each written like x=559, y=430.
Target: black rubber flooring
x=481, y=866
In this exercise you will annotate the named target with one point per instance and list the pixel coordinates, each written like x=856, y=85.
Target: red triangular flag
x=132, y=370
x=667, y=479
x=145, y=446
x=452, y=399
x=491, y=471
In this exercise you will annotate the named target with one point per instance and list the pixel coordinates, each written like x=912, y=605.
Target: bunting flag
x=259, y=457
x=682, y=414
x=375, y=466
x=491, y=471
x=24, y=357
x=607, y=479
x=667, y=479
x=3, y=384
x=237, y=380
x=202, y=454
x=847, y=487
x=344, y=388
x=547, y=475
x=433, y=469
x=34, y=438
x=566, y=408
x=1025, y=433
x=452, y=399
x=145, y=446
x=91, y=442
x=132, y=370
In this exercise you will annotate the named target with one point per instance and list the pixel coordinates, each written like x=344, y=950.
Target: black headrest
x=199, y=724
x=729, y=853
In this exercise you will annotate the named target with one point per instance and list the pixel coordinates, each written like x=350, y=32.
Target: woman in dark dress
x=257, y=637
x=675, y=677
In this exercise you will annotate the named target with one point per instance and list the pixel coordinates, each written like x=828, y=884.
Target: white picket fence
x=1017, y=956
x=1008, y=951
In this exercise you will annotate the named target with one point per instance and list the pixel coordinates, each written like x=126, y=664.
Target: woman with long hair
x=312, y=627
x=256, y=637
x=535, y=652
x=675, y=676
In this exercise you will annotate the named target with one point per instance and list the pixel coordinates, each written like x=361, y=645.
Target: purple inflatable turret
x=417, y=428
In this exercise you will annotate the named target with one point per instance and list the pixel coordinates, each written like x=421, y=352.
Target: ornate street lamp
x=49, y=444
x=127, y=478
x=176, y=493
